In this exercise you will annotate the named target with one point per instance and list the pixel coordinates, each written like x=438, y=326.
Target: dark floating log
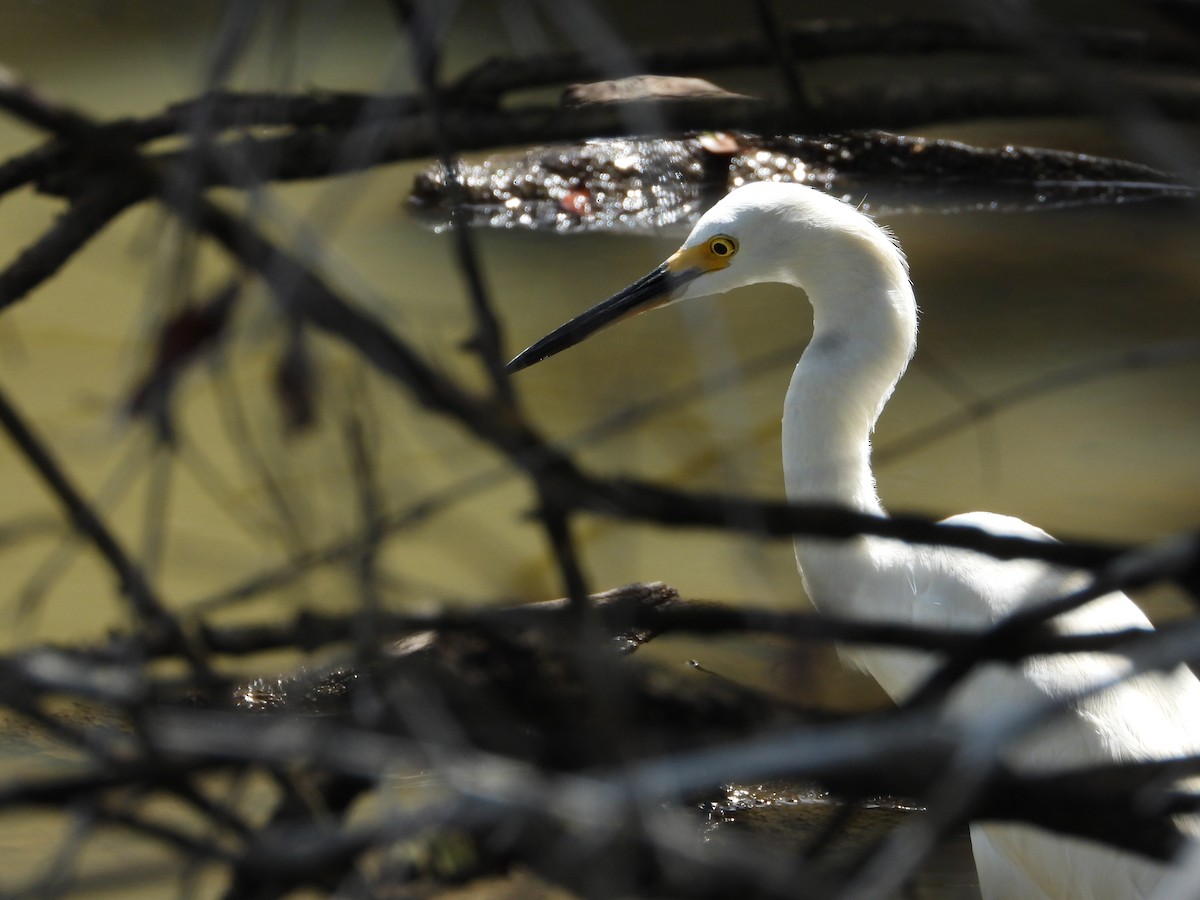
x=649, y=184
x=529, y=693
x=521, y=684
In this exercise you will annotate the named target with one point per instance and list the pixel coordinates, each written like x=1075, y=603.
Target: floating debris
x=644, y=87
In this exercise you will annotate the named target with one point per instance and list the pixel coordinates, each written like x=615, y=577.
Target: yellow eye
x=722, y=246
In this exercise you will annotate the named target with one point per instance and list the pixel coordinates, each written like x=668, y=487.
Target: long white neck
x=864, y=333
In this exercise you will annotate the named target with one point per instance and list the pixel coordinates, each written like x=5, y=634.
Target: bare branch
x=158, y=622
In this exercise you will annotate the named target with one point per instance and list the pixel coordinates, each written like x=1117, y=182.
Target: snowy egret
x=865, y=325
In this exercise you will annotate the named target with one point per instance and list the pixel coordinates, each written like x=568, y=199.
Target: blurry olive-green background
x=1004, y=297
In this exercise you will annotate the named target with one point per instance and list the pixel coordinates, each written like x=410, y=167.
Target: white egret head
x=765, y=232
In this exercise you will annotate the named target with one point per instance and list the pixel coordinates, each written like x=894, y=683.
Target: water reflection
x=791, y=815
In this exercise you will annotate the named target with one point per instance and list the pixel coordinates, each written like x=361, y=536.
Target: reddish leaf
x=183, y=339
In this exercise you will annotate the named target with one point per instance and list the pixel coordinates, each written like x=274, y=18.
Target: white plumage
x=865, y=324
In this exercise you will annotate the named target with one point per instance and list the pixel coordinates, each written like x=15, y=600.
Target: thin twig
x=158, y=622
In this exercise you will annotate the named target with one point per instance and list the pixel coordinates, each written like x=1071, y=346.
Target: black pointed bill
x=649, y=292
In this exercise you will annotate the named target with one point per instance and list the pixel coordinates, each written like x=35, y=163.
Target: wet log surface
x=647, y=184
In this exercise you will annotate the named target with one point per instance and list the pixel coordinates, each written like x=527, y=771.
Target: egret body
x=864, y=333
